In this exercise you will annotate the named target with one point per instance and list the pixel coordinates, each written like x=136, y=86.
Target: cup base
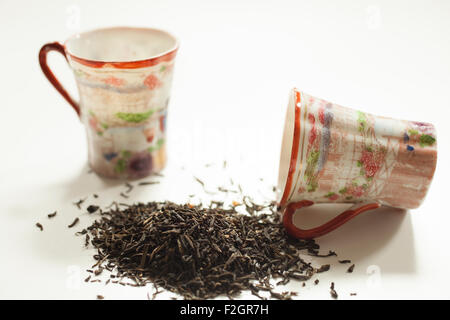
x=132, y=167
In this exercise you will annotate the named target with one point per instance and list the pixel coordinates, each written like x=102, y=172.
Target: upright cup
x=335, y=154
x=124, y=77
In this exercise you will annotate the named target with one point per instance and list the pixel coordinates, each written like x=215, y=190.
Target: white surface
x=236, y=64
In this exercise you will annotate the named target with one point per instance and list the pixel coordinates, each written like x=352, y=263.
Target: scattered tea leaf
x=79, y=203
x=73, y=223
x=199, y=181
x=51, y=215
x=350, y=269
x=333, y=292
x=92, y=208
x=200, y=252
x=146, y=183
x=323, y=268
x=129, y=186
x=345, y=261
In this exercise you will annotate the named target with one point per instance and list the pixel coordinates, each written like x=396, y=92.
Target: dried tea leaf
x=51, y=215
x=199, y=252
x=92, y=208
x=333, y=292
x=350, y=269
x=73, y=223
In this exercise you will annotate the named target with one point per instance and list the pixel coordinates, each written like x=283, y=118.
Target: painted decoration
x=344, y=155
x=123, y=102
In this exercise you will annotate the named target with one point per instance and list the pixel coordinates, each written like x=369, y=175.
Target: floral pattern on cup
x=135, y=164
x=134, y=117
x=113, y=81
x=96, y=125
x=349, y=156
x=419, y=134
x=111, y=113
x=128, y=152
x=152, y=82
x=124, y=89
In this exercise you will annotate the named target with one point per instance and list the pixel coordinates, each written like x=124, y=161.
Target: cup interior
x=121, y=44
x=286, y=146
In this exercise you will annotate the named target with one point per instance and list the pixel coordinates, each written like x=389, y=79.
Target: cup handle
x=56, y=46
x=325, y=228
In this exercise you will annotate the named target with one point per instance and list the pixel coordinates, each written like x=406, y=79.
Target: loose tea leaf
x=323, y=268
x=51, y=215
x=40, y=226
x=79, y=202
x=157, y=291
x=129, y=186
x=344, y=261
x=329, y=254
x=276, y=295
x=223, y=189
x=73, y=223
x=82, y=232
x=199, y=181
x=200, y=252
x=350, y=269
x=203, y=186
x=146, y=183
x=98, y=271
x=100, y=297
x=92, y=208
x=333, y=292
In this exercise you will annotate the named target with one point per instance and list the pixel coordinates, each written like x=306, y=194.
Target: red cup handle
x=56, y=46
x=325, y=228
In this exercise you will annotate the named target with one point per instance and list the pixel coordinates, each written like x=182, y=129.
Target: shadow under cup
x=124, y=78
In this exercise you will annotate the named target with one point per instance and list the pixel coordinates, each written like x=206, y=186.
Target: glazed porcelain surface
x=332, y=153
x=124, y=78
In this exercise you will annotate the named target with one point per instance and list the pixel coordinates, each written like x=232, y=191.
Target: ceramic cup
x=124, y=77
x=333, y=154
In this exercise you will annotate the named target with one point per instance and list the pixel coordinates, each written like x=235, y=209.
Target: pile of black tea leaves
x=200, y=252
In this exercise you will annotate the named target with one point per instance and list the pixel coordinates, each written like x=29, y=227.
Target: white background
x=235, y=67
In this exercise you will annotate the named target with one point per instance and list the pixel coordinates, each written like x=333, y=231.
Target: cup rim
x=290, y=144
x=167, y=55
